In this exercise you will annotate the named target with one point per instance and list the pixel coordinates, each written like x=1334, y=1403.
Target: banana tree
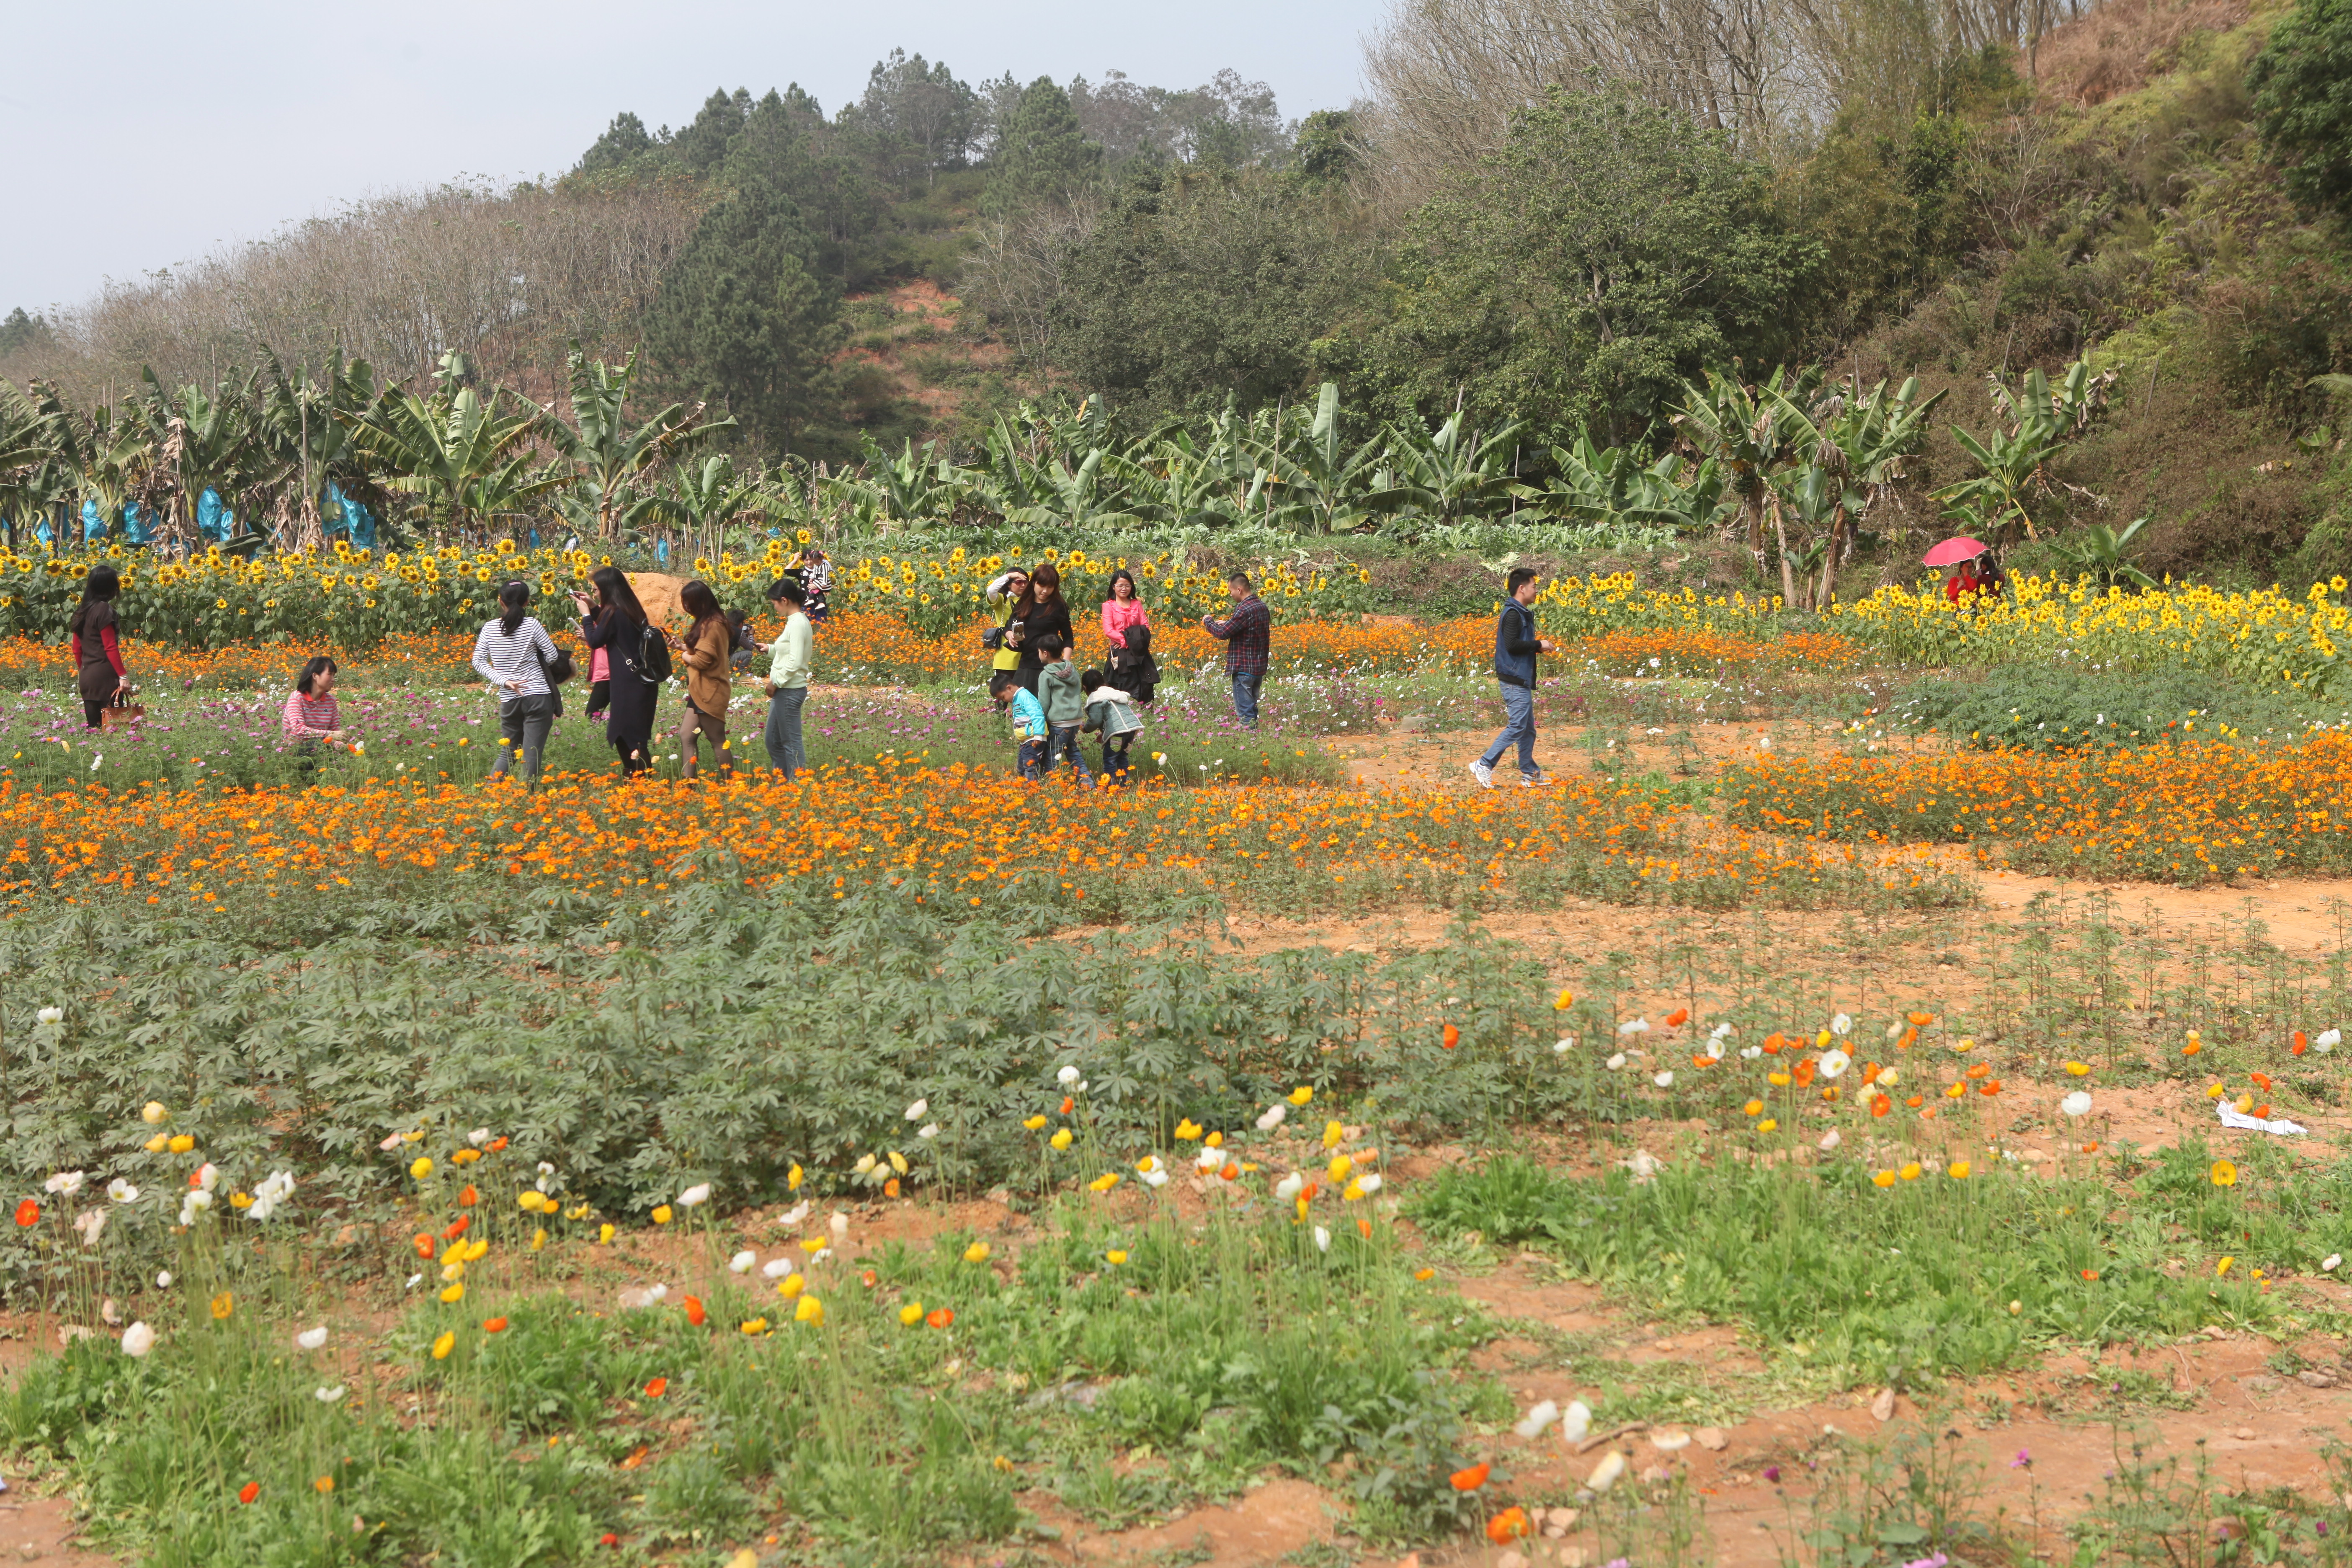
x=2102, y=553
x=1593, y=485
x=1445, y=474
x=607, y=458
x=1182, y=481
x=1322, y=479
x=703, y=498
x=1863, y=446
x=458, y=453
x=911, y=485
x=1745, y=430
x=1072, y=497
x=2012, y=458
x=201, y=444
x=310, y=431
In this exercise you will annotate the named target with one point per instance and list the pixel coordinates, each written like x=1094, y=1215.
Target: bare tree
x=1016, y=275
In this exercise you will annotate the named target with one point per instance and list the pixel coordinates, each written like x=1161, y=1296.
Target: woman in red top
x=97, y=650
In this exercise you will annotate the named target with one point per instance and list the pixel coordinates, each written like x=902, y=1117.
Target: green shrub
x=2066, y=711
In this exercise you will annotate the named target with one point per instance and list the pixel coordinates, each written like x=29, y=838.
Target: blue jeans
x=1245, y=686
x=1113, y=755
x=1519, y=725
x=1029, y=758
x=1063, y=741
x=781, y=735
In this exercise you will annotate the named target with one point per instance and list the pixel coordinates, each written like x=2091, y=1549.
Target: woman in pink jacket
x=1121, y=610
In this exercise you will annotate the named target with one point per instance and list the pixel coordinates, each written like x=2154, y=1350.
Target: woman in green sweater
x=788, y=679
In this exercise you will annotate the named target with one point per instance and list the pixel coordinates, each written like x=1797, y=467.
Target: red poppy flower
x=28, y=1214
x=656, y=1388
x=1471, y=1480
x=694, y=1312
x=248, y=1492
x=1453, y=1036
x=940, y=1317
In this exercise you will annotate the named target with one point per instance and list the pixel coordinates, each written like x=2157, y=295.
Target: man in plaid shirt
x=1248, y=636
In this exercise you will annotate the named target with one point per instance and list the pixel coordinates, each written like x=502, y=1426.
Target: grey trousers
x=783, y=733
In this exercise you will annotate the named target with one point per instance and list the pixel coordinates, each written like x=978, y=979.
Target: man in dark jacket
x=1515, y=647
x=1248, y=636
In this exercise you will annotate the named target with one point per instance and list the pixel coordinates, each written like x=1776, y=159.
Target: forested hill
x=1540, y=212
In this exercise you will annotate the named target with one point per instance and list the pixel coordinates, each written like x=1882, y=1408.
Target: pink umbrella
x=1952, y=552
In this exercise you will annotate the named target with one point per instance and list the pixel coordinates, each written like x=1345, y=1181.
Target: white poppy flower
x=163, y=1280
x=311, y=1338
x=2329, y=1040
x=391, y=1142
x=122, y=1192
x=839, y=1226
x=1840, y=1025
x=195, y=1204
x=329, y=1395
x=412, y=1281
x=1613, y=1063
x=1632, y=1026
x=2333, y=1259
x=2076, y=1104
x=1067, y=1076
x=207, y=1176
x=51, y=1015
x=91, y=1223
x=1830, y=1139
x=1608, y=1472
x=918, y=1111
x=1322, y=1240
x=1532, y=1424
x=1368, y=1184
x=657, y=1293
x=137, y=1340
x=741, y=1262
x=1750, y=1053
x=1289, y=1187
x=1562, y=1046
x=695, y=1196
x=1833, y=1063
x=777, y=1268
x=1664, y=1080
x=928, y=1130
x=1894, y=1030
x=1575, y=1422
x=64, y=1184
x=1154, y=1178
x=797, y=1212
x=865, y=1164
x=1669, y=1442
x=1275, y=1114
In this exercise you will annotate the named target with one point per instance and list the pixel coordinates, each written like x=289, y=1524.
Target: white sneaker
x=1484, y=774
x=1532, y=781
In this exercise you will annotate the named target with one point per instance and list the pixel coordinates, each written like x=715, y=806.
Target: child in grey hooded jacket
x=1110, y=713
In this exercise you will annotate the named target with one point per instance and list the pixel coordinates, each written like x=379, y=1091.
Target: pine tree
x=624, y=141
x=744, y=318
x=1041, y=155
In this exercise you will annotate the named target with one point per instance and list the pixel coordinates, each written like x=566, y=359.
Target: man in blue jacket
x=1516, y=646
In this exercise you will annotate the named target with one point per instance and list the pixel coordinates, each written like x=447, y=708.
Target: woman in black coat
x=1039, y=613
x=616, y=623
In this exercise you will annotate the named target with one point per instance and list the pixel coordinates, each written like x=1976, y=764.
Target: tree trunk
x=1830, y=558
x=1788, y=573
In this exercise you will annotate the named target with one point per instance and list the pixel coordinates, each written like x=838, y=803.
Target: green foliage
x=2100, y=554
x=744, y=319
x=1606, y=252
x=2040, y=709
x=2301, y=88
x=1041, y=155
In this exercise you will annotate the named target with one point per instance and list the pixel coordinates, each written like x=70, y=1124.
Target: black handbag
x=556, y=675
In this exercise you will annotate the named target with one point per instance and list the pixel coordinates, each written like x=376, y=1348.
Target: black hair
x=699, y=602
x=512, y=600
x=613, y=588
x=1050, y=646
x=99, y=587
x=998, y=682
x=1090, y=679
x=790, y=591
x=308, y=676
x=1238, y=575
x=1134, y=593
x=1519, y=577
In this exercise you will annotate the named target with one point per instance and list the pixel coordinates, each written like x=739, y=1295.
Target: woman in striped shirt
x=311, y=720
x=512, y=654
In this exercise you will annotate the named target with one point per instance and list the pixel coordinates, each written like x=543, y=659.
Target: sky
x=161, y=131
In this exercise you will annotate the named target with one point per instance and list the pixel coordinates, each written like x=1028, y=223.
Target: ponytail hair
x=512, y=600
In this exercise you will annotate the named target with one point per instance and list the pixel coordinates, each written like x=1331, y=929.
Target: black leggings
x=90, y=711
x=642, y=745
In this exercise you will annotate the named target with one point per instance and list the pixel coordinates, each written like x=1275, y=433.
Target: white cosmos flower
x=1067, y=1076
x=1834, y=1062
x=329, y=1395
x=1322, y=1240
x=122, y=1192
x=1613, y=1063
x=1664, y=1080
x=137, y=1340
x=1632, y=1026
x=2076, y=1104
x=1368, y=1184
x=65, y=1183
x=1840, y=1025
x=1275, y=1114
x=1830, y=1139
x=311, y=1338
x=1575, y=1422
x=695, y=1196
x=51, y=1015
x=928, y=1130
x=918, y=1111
x=1532, y=1424
x=741, y=1262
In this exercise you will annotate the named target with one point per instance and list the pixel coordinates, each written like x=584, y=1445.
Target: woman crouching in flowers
x=312, y=718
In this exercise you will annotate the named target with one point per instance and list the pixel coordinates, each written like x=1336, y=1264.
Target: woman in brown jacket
x=709, y=643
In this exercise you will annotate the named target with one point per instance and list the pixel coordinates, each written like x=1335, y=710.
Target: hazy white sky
x=148, y=133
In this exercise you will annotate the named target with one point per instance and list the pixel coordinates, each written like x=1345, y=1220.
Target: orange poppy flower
x=1918, y=1020
x=870, y=1279
x=1870, y=1071
x=1471, y=1480
x=457, y=1227
x=1773, y=1042
x=656, y=1388
x=497, y=1143
x=1364, y=1227
x=1915, y=1100
x=1979, y=1069
x=1232, y=1171
x=1880, y=1105
x=1068, y=1101
x=694, y=1312
x=940, y=1317
x=2299, y=1044
x=467, y=1197
x=424, y=1244
x=248, y=1492
x=1453, y=1036
x=890, y=1188
x=1508, y=1526
x=28, y=1214
x=1677, y=1018
x=2090, y=1274
x=498, y=1325
x=1989, y=1088
x=2263, y=1081
x=1804, y=1073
